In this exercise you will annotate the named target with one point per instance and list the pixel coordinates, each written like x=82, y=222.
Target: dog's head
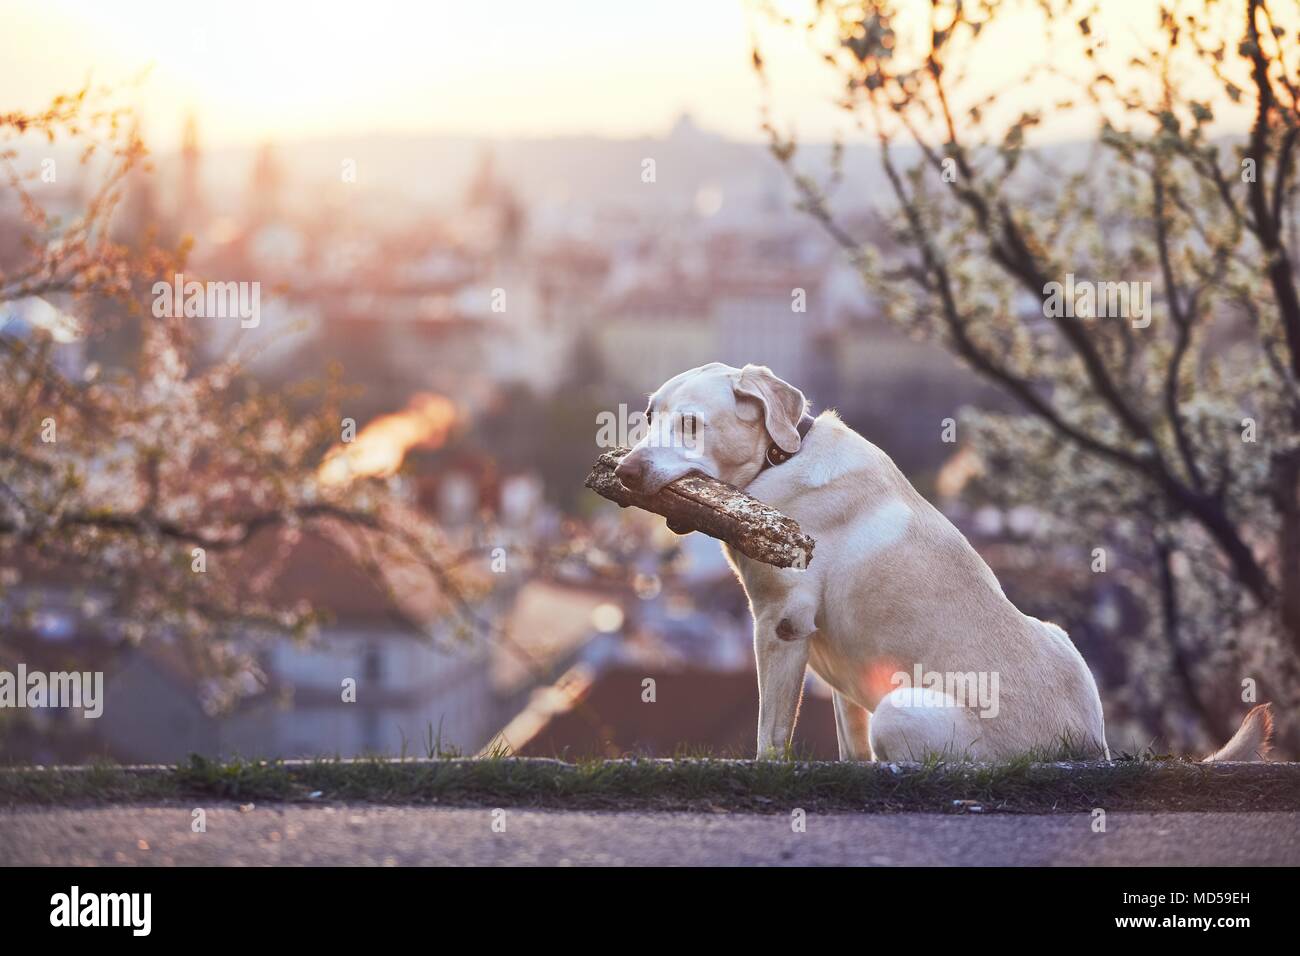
x=717, y=420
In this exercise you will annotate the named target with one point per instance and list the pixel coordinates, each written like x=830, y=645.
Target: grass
x=936, y=785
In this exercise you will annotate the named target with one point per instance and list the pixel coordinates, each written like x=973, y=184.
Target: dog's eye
x=649, y=414
x=690, y=424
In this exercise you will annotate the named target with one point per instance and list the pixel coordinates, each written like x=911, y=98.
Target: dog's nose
x=631, y=471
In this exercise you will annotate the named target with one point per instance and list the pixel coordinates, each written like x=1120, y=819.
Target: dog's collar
x=775, y=456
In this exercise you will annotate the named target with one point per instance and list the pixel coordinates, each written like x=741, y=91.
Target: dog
x=897, y=612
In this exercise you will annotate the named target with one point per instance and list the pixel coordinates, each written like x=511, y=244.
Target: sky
x=256, y=70
x=292, y=69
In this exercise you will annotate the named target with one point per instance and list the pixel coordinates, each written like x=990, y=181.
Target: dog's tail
x=1252, y=739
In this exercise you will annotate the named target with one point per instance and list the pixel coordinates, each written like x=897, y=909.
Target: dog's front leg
x=781, y=667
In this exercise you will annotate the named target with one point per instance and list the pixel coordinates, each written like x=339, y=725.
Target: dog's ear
x=783, y=404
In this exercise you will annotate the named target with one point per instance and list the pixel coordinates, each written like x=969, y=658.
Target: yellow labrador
x=897, y=612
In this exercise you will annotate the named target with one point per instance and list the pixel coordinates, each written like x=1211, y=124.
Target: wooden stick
x=699, y=503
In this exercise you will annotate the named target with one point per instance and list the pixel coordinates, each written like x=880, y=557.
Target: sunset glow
x=256, y=71
x=380, y=448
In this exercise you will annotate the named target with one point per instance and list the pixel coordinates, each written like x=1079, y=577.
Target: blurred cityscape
x=491, y=298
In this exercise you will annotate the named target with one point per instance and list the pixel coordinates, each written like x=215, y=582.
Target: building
x=382, y=676
x=695, y=712
x=651, y=335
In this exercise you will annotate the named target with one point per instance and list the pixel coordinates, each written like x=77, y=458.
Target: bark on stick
x=700, y=503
